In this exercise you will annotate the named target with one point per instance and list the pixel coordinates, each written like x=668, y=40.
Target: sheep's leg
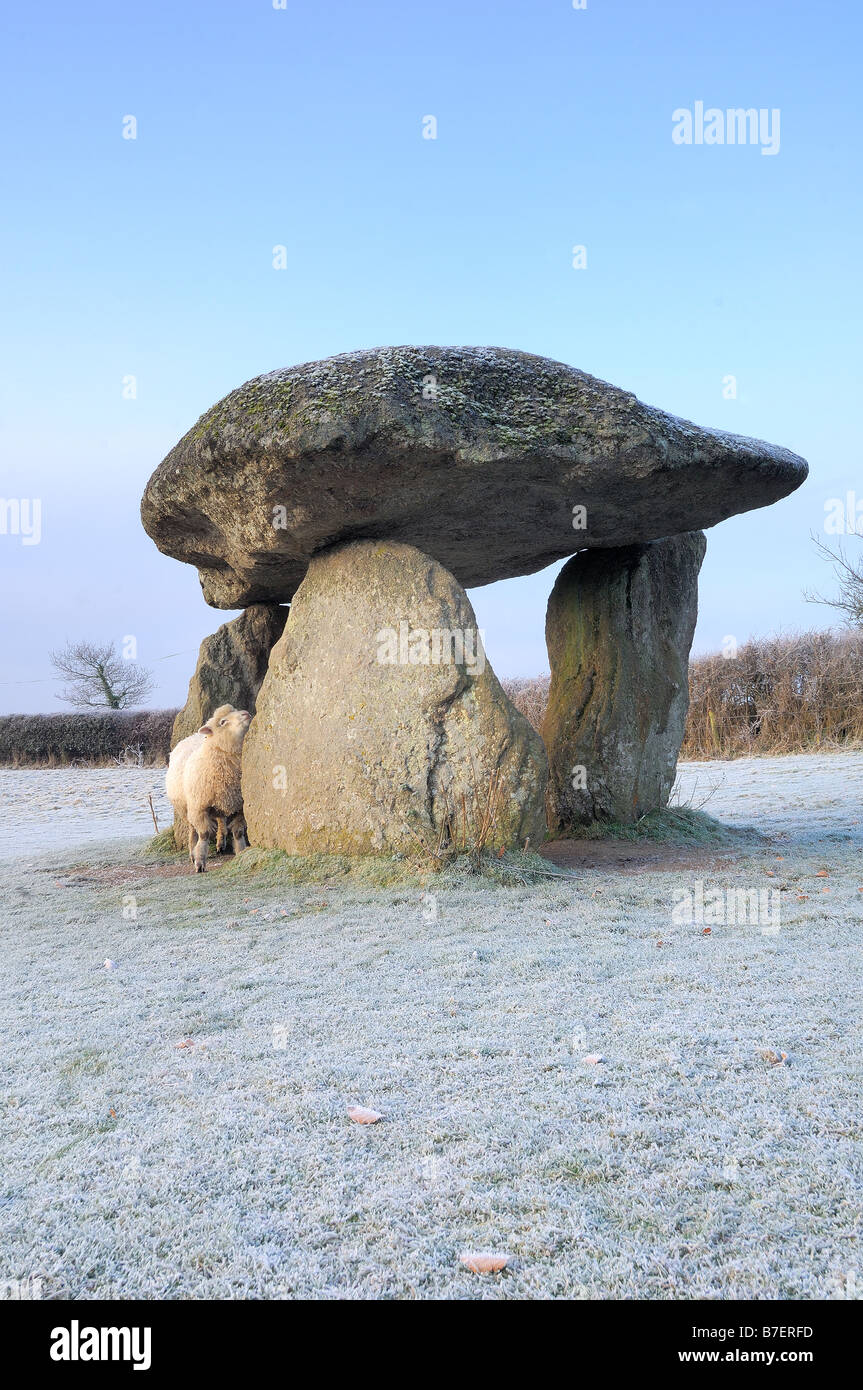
x=221, y=835
x=193, y=840
x=205, y=826
x=237, y=827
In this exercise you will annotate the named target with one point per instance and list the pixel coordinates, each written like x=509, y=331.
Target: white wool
x=211, y=785
x=180, y=756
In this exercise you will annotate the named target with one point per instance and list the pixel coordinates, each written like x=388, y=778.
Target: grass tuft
x=676, y=825
x=274, y=866
x=162, y=845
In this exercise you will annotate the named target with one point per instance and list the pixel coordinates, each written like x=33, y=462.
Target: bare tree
x=100, y=678
x=849, y=600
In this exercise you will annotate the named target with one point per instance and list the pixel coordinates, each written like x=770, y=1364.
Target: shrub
x=530, y=696
x=141, y=737
x=785, y=694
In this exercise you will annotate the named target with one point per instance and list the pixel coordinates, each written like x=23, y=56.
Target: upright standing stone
x=380, y=721
x=619, y=629
x=231, y=665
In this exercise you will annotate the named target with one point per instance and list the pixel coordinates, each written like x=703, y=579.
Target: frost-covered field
x=177, y=1127
x=44, y=807
x=62, y=807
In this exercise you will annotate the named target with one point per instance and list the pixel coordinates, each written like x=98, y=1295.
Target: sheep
x=211, y=785
x=174, y=775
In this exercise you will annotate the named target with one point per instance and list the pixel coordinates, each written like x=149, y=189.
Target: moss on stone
x=509, y=439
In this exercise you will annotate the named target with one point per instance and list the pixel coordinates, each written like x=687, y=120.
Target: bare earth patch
x=116, y=875
x=638, y=857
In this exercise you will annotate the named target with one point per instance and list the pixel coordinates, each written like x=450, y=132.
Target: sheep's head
x=209, y=724
x=219, y=714
x=227, y=731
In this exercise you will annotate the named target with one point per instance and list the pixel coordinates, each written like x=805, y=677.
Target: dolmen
x=368, y=492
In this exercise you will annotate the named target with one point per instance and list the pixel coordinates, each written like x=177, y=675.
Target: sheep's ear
x=206, y=730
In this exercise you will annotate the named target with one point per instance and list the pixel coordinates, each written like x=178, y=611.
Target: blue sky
x=302, y=127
